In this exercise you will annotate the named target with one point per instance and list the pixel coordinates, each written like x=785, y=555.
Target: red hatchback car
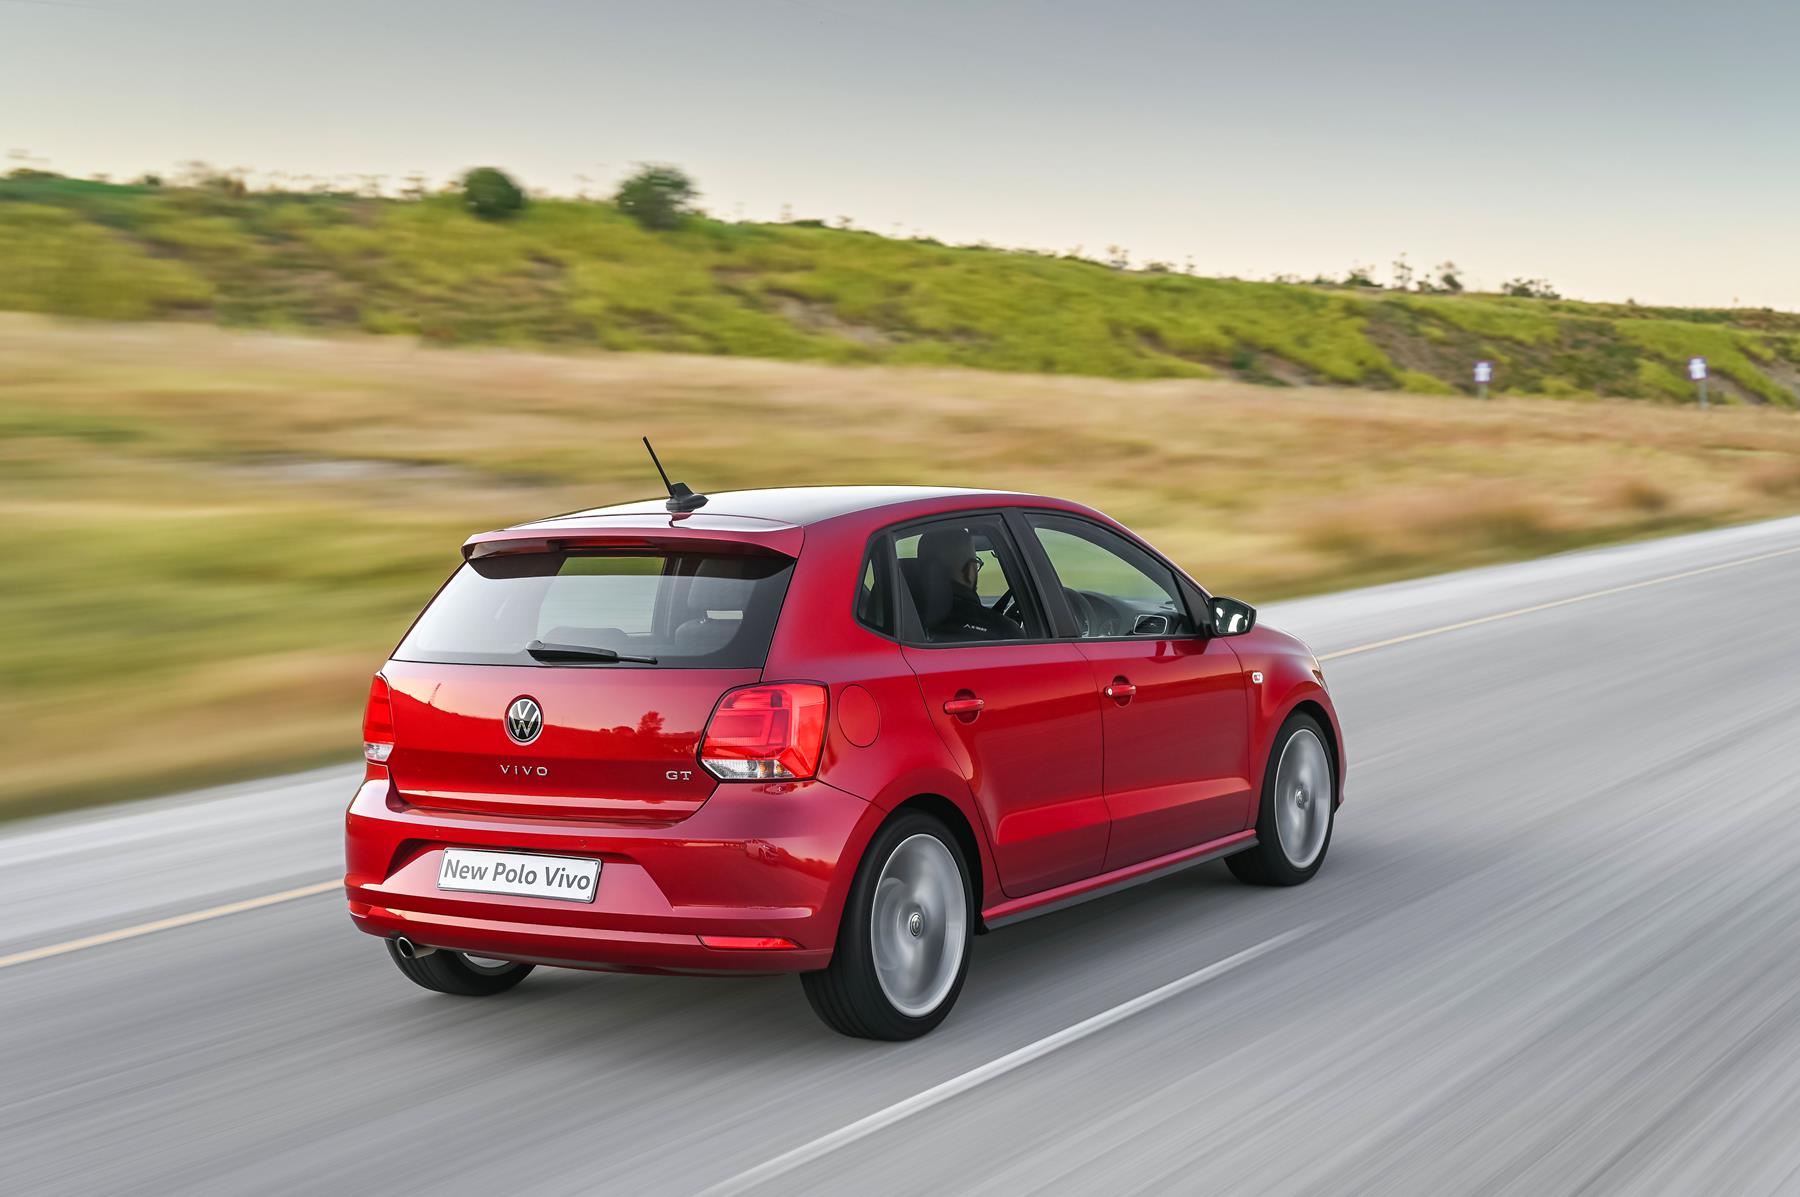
x=832, y=731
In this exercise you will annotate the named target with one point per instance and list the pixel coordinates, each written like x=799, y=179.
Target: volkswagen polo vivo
x=831, y=731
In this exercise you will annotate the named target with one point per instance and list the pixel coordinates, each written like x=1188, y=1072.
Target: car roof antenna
x=681, y=498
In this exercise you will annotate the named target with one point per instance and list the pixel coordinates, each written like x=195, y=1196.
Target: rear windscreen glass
x=687, y=610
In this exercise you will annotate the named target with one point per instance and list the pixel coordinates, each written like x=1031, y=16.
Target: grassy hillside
x=569, y=273
x=209, y=540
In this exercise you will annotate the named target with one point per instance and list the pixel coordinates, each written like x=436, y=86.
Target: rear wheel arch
x=853, y=994
x=952, y=817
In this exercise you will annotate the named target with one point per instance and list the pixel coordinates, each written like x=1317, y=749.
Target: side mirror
x=1232, y=617
x=1151, y=625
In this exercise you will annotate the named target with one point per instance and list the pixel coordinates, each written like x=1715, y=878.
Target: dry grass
x=209, y=540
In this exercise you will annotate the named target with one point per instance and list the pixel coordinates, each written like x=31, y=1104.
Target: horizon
x=1617, y=152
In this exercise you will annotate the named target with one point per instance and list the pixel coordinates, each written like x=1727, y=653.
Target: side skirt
x=1062, y=897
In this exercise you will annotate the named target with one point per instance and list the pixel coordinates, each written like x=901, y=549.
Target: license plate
x=566, y=878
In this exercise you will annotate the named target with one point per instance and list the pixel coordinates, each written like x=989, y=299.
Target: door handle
x=964, y=706
x=1120, y=690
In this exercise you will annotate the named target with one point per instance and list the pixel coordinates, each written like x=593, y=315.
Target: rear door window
x=687, y=610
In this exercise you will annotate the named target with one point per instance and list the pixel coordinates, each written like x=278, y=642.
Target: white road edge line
x=1564, y=602
x=180, y=920
x=937, y=1094
x=200, y=916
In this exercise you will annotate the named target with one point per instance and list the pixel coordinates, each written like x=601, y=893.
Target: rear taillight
x=378, y=723
x=765, y=733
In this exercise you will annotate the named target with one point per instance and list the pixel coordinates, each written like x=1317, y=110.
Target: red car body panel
x=604, y=753
x=1291, y=680
x=755, y=860
x=1176, y=766
x=1062, y=792
x=1031, y=759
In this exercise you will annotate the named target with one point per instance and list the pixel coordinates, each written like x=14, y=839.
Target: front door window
x=1114, y=588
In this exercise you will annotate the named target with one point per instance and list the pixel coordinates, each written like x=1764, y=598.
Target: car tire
x=904, y=942
x=444, y=971
x=1298, y=809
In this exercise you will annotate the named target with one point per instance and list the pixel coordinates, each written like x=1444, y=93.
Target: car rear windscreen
x=687, y=610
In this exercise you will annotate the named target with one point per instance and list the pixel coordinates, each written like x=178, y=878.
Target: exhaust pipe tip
x=409, y=950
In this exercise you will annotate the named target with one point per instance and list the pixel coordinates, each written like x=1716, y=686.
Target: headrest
x=943, y=552
x=909, y=571
x=946, y=548
x=719, y=594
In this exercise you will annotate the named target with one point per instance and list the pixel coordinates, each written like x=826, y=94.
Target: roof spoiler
x=781, y=540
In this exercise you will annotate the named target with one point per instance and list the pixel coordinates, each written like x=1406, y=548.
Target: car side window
x=966, y=582
x=874, y=589
x=1114, y=588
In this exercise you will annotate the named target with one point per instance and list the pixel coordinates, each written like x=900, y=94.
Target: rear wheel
x=1294, y=822
x=903, y=945
x=444, y=971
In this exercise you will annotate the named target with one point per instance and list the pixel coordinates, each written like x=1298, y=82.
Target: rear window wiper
x=579, y=652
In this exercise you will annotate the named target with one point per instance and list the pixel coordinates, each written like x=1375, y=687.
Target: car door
x=1018, y=710
x=1175, y=710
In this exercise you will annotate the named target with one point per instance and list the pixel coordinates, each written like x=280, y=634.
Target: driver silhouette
x=950, y=606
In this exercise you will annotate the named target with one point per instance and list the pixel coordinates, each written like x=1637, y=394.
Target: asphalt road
x=1554, y=950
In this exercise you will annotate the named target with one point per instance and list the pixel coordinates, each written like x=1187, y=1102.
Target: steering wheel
x=1008, y=606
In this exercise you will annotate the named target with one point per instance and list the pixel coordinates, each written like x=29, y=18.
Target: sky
x=1639, y=150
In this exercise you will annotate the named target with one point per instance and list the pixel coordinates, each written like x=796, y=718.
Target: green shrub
x=1528, y=288
x=657, y=197
x=491, y=195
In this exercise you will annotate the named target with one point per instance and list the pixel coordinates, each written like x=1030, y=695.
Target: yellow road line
x=307, y=891
x=179, y=920
x=1532, y=610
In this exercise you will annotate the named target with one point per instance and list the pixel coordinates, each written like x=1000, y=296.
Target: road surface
x=1554, y=950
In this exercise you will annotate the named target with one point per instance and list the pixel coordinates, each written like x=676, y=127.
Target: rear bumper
x=756, y=861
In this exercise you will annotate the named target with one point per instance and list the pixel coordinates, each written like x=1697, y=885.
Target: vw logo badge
x=524, y=720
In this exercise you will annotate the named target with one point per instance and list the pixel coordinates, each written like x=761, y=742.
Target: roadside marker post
x=1484, y=374
x=1697, y=372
